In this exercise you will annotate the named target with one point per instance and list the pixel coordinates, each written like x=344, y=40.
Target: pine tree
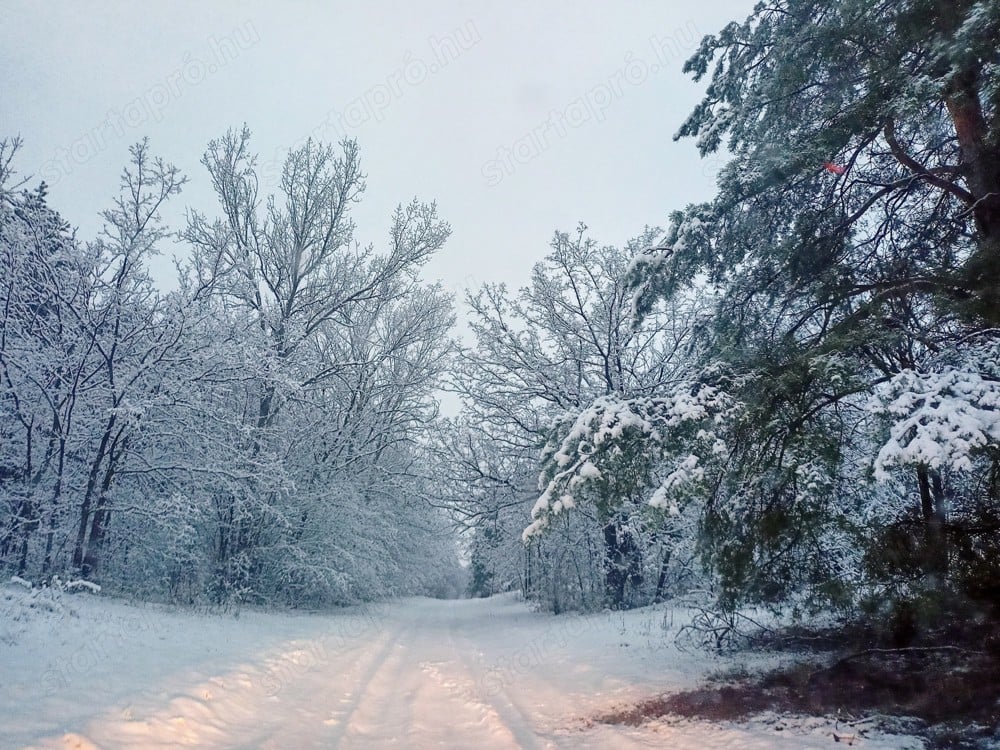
x=855, y=237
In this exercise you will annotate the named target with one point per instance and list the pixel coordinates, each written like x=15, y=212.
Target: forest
x=785, y=397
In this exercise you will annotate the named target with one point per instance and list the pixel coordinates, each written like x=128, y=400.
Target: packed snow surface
x=82, y=671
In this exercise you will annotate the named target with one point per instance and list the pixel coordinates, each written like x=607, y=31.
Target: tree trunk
x=54, y=506
x=932, y=510
x=661, y=581
x=621, y=562
x=980, y=168
x=89, y=493
x=92, y=555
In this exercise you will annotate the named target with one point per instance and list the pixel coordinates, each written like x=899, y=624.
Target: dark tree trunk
x=54, y=506
x=622, y=563
x=98, y=526
x=661, y=581
x=980, y=168
x=90, y=493
x=933, y=514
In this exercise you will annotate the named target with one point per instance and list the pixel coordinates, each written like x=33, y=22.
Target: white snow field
x=87, y=672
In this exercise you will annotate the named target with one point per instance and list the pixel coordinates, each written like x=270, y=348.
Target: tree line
x=256, y=434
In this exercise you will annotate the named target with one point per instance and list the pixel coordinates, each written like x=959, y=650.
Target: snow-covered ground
x=86, y=672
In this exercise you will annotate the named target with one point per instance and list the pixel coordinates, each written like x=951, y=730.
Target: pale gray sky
x=518, y=118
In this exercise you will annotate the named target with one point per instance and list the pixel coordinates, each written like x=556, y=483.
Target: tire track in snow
x=499, y=702
x=421, y=691
x=360, y=693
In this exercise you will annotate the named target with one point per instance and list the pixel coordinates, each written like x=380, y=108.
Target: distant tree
x=83, y=345
x=540, y=358
x=40, y=366
x=135, y=334
x=351, y=344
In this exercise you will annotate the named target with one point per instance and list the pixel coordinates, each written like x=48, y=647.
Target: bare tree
x=291, y=267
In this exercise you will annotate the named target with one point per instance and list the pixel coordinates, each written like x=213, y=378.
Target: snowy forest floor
x=81, y=671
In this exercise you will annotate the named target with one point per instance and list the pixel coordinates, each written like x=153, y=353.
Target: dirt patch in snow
x=954, y=692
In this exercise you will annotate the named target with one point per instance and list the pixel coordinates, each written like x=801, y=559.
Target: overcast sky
x=518, y=118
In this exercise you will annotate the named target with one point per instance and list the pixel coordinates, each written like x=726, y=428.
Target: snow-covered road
x=411, y=674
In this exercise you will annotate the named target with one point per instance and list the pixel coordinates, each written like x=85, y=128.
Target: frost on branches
x=621, y=447
x=942, y=419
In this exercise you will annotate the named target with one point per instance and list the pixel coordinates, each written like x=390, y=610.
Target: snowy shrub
x=942, y=420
